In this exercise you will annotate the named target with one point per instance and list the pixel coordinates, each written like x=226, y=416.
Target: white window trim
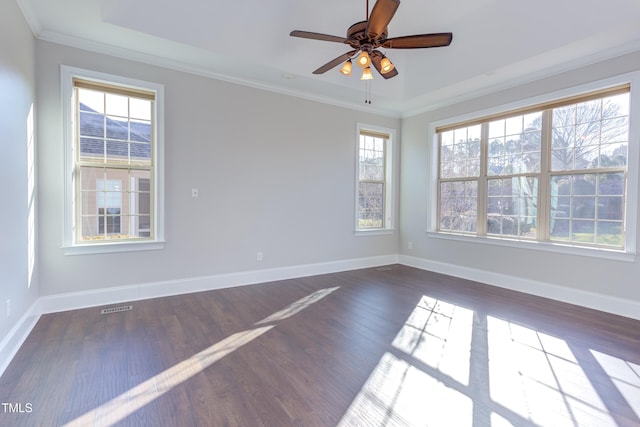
x=69, y=246
x=390, y=152
x=631, y=209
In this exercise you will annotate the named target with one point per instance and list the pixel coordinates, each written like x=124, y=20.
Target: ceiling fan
x=367, y=36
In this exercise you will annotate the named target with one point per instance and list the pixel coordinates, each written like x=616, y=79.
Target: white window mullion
x=544, y=184
x=481, y=227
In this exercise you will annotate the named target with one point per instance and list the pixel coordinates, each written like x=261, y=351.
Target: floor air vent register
x=119, y=309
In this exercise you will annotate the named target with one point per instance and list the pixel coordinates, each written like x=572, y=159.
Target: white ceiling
x=496, y=43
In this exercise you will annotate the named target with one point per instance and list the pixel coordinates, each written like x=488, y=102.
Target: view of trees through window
x=371, y=181
x=557, y=174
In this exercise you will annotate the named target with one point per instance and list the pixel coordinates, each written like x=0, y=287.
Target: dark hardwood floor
x=392, y=346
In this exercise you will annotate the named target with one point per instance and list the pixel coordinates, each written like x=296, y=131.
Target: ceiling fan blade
x=376, y=57
x=334, y=62
x=419, y=41
x=380, y=17
x=317, y=36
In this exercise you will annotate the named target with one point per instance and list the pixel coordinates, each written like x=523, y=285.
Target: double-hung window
x=556, y=172
x=374, y=210
x=113, y=155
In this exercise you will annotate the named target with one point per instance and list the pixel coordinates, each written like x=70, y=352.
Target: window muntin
x=114, y=147
x=581, y=143
x=373, y=186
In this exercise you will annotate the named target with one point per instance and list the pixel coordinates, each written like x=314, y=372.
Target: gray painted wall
x=275, y=174
x=608, y=277
x=17, y=94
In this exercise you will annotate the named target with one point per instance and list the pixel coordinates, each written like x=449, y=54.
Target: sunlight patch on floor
x=625, y=375
x=127, y=403
x=134, y=399
x=438, y=334
x=450, y=366
x=399, y=394
x=537, y=376
x=298, y=306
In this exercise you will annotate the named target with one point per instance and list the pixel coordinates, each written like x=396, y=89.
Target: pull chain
x=367, y=92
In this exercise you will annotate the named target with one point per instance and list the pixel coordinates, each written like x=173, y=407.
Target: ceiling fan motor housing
x=357, y=37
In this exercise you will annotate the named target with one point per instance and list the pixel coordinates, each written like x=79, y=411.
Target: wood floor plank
x=377, y=346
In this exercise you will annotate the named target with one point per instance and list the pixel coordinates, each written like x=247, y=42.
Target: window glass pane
x=609, y=233
x=371, y=158
x=512, y=205
x=116, y=203
x=583, y=231
x=370, y=205
x=514, y=145
x=115, y=138
x=140, y=109
x=90, y=100
x=460, y=152
x=117, y=105
x=92, y=124
x=459, y=206
x=588, y=208
x=117, y=128
x=140, y=130
x=92, y=149
x=613, y=155
x=592, y=134
x=117, y=152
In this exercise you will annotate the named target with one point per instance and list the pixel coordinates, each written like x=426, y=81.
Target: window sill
x=567, y=249
x=111, y=247
x=374, y=232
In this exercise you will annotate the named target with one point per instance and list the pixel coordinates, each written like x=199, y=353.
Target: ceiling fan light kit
x=346, y=68
x=386, y=65
x=363, y=60
x=366, y=74
x=365, y=37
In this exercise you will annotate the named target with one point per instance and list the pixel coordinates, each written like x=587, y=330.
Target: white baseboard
x=11, y=343
x=93, y=298
x=574, y=296
x=76, y=300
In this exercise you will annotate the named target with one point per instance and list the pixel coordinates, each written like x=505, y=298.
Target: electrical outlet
x=8, y=310
x=259, y=257
x=194, y=192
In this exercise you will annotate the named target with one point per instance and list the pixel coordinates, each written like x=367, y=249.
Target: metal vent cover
x=116, y=309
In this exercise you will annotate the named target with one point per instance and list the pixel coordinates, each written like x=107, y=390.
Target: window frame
x=70, y=245
x=388, y=223
x=628, y=253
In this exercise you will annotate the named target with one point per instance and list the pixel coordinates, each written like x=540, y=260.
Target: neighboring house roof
x=100, y=134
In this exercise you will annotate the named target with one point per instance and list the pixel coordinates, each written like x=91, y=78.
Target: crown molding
x=185, y=67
